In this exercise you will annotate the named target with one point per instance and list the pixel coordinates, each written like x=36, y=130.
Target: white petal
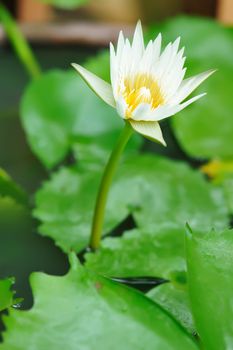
x=159, y=113
x=120, y=44
x=131, y=56
x=121, y=106
x=126, y=61
x=157, y=47
x=191, y=100
x=113, y=69
x=169, y=70
x=167, y=111
x=150, y=130
x=138, y=41
x=141, y=111
x=176, y=44
x=99, y=86
x=165, y=57
x=147, y=60
x=190, y=84
x=173, y=75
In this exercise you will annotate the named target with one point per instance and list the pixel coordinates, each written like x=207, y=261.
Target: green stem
x=98, y=219
x=19, y=43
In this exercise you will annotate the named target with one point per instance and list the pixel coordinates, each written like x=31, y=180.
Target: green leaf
x=199, y=35
x=65, y=4
x=89, y=150
x=85, y=310
x=173, y=297
x=19, y=43
x=100, y=65
x=14, y=204
x=140, y=253
x=72, y=116
x=210, y=261
x=48, y=121
x=227, y=184
x=8, y=188
x=204, y=129
x=166, y=192
x=160, y=193
x=65, y=205
x=6, y=294
x=221, y=174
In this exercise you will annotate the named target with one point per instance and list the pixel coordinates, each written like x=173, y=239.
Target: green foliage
x=65, y=206
x=227, y=184
x=205, y=128
x=8, y=188
x=210, y=261
x=59, y=111
x=168, y=192
x=14, y=204
x=86, y=310
x=221, y=174
x=19, y=43
x=173, y=297
x=100, y=65
x=160, y=193
x=65, y=4
x=6, y=294
x=91, y=150
x=200, y=36
x=158, y=253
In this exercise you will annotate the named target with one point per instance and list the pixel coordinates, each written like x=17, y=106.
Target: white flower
x=146, y=85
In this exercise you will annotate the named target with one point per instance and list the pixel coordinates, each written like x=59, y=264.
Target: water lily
x=146, y=85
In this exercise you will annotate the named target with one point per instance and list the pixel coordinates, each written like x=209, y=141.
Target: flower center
x=141, y=88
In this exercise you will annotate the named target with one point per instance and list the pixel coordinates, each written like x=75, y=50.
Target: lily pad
x=65, y=205
x=204, y=129
x=100, y=65
x=160, y=194
x=221, y=174
x=137, y=253
x=227, y=184
x=174, y=298
x=96, y=314
x=167, y=193
x=6, y=293
x=210, y=261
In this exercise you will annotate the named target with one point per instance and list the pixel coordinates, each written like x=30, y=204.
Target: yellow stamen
x=141, y=88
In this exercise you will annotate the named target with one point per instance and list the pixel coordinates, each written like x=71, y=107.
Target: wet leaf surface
x=210, y=261
x=96, y=313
